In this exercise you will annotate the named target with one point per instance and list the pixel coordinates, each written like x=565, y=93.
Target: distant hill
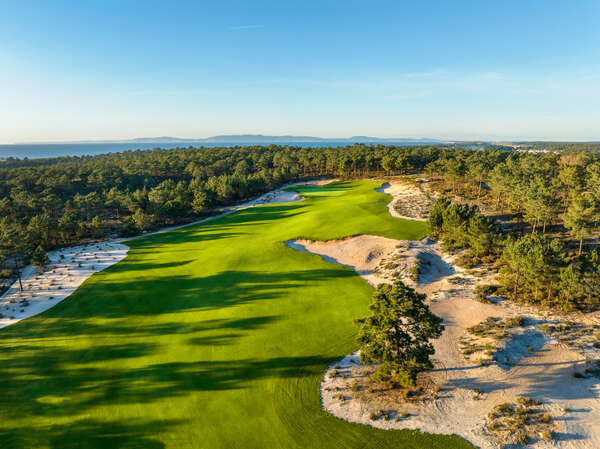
x=258, y=139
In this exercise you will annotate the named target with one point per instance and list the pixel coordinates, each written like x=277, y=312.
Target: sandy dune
x=540, y=367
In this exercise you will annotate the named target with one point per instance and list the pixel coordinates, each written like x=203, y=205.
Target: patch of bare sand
x=68, y=268
x=409, y=200
x=363, y=253
x=540, y=368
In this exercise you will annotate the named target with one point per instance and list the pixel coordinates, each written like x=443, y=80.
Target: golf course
x=213, y=336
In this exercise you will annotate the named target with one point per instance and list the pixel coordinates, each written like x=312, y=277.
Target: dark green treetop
x=398, y=332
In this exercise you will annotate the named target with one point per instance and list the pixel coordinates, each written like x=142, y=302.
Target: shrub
x=505, y=408
x=388, y=385
x=515, y=321
x=521, y=438
x=547, y=435
x=484, y=290
x=524, y=400
x=390, y=266
x=415, y=271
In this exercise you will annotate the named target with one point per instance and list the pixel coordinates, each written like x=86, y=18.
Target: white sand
x=43, y=290
x=546, y=373
x=362, y=253
x=405, y=194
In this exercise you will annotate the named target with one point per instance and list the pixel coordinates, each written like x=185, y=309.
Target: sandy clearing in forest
x=409, y=201
x=544, y=372
x=70, y=267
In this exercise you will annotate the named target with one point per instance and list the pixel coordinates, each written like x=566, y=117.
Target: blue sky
x=458, y=70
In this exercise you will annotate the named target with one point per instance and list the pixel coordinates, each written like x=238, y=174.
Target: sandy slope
x=544, y=372
x=70, y=267
x=362, y=253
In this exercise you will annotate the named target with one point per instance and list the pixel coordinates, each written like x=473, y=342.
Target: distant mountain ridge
x=253, y=138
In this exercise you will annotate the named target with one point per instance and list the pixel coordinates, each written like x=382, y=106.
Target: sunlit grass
x=211, y=336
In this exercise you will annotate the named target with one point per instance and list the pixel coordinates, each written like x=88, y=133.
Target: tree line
x=49, y=203
x=543, y=237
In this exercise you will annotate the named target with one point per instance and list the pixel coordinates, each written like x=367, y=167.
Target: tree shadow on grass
x=133, y=265
x=64, y=386
x=115, y=298
x=219, y=228
x=53, y=380
x=65, y=329
x=88, y=434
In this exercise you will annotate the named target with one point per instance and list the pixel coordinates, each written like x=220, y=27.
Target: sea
x=47, y=150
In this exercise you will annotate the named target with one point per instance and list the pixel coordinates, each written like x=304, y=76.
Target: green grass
x=212, y=336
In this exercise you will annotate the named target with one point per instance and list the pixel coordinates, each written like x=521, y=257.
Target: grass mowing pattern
x=212, y=336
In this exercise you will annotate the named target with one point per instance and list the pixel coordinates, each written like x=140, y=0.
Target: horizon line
x=157, y=139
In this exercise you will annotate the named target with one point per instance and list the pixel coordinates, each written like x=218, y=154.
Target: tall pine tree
x=398, y=334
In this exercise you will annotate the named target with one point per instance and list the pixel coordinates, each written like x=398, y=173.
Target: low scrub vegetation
x=519, y=422
x=486, y=338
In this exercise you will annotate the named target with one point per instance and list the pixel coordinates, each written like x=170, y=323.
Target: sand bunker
x=67, y=270
x=534, y=364
x=363, y=253
x=283, y=196
x=410, y=201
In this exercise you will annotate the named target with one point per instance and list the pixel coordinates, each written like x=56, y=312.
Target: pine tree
x=578, y=218
x=40, y=258
x=398, y=333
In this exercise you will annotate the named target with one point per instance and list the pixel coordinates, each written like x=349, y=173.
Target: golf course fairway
x=211, y=336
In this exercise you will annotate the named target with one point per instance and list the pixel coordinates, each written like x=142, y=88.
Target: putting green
x=212, y=336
